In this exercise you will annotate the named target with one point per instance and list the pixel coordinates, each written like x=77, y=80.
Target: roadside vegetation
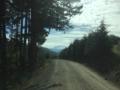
x=98, y=50
x=24, y=26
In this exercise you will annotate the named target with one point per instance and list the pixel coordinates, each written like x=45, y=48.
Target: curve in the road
x=69, y=75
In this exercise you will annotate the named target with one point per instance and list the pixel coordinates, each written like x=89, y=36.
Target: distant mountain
x=46, y=52
x=57, y=49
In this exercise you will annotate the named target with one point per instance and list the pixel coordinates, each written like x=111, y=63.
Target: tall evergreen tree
x=3, y=43
x=54, y=14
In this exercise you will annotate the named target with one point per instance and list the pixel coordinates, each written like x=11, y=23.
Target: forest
x=98, y=50
x=24, y=26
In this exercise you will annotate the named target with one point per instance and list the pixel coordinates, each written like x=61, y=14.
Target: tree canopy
x=94, y=50
x=24, y=26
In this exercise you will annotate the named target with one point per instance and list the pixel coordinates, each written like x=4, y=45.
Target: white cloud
x=93, y=12
x=96, y=10
x=64, y=39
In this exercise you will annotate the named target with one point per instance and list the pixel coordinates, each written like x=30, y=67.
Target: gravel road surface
x=69, y=75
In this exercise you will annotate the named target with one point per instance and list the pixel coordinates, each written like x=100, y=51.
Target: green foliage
x=95, y=50
x=114, y=39
x=26, y=23
x=44, y=55
x=54, y=14
x=98, y=43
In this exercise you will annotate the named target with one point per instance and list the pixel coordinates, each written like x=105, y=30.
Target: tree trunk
x=25, y=39
x=3, y=57
x=33, y=36
x=21, y=44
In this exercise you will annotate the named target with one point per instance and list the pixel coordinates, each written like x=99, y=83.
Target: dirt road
x=73, y=76
x=66, y=75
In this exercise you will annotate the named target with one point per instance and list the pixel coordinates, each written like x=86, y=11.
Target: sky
x=92, y=13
